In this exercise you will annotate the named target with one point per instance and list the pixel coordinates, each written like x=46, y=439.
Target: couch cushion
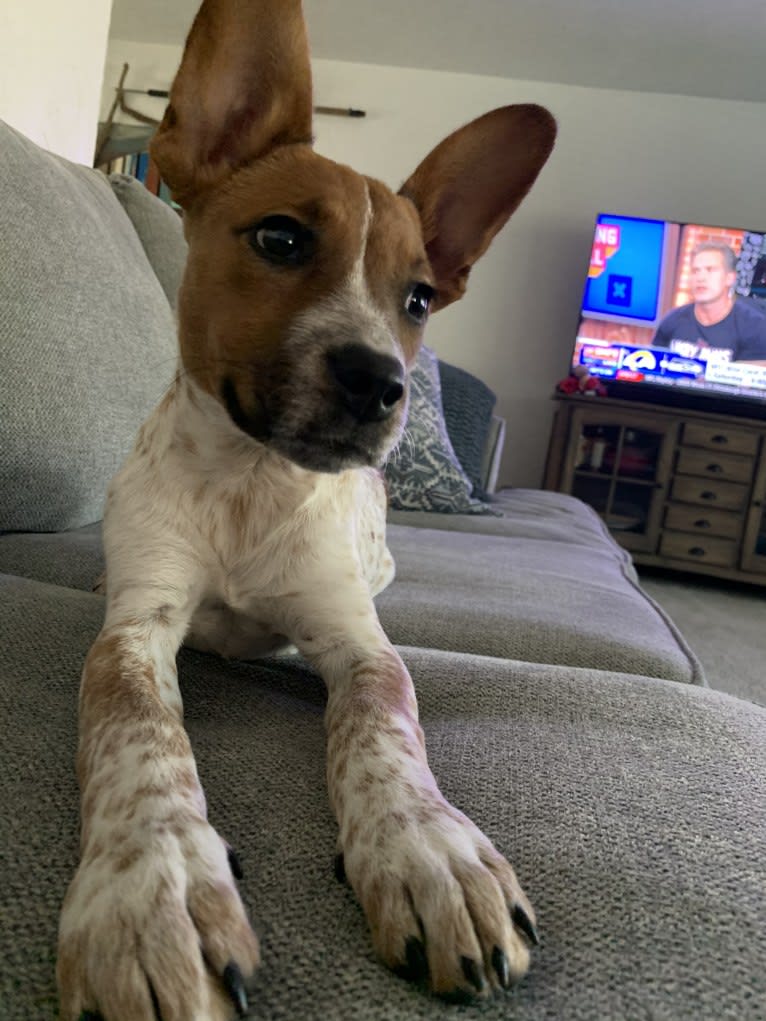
x=76, y=557
x=159, y=229
x=555, y=588
x=73, y=559
x=631, y=808
x=87, y=338
x=541, y=600
x=534, y=513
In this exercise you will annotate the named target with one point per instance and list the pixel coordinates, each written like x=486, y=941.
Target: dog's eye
x=283, y=240
x=419, y=301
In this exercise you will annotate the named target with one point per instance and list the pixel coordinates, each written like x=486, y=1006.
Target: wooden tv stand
x=679, y=489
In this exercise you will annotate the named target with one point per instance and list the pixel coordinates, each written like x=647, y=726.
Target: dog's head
x=308, y=286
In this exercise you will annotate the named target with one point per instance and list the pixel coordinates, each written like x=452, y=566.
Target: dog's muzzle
x=337, y=408
x=370, y=384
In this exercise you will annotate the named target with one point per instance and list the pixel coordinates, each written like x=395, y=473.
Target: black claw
x=416, y=968
x=235, y=864
x=472, y=973
x=235, y=987
x=461, y=997
x=522, y=921
x=89, y=1015
x=417, y=961
x=339, y=867
x=500, y=964
x=155, y=1001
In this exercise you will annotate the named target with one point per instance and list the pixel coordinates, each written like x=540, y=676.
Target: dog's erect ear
x=243, y=88
x=470, y=184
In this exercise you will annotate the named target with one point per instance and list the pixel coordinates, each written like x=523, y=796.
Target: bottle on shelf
x=582, y=457
x=597, y=450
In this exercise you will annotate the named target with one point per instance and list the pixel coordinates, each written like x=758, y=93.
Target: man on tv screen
x=716, y=321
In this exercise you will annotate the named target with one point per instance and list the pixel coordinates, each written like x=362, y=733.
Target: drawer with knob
x=701, y=549
x=729, y=467
x=709, y=493
x=716, y=437
x=703, y=520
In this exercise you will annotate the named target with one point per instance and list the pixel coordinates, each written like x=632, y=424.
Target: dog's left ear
x=243, y=88
x=469, y=185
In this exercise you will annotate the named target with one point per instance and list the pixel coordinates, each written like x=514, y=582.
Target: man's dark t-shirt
x=742, y=332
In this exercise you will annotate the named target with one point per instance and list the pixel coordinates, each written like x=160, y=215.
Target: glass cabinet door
x=754, y=543
x=620, y=470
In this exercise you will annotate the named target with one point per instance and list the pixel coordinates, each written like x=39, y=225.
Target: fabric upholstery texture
x=423, y=473
x=535, y=513
x=562, y=590
x=86, y=333
x=535, y=594
x=631, y=809
x=74, y=559
x=527, y=599
x=159, y=229
x=468, y=404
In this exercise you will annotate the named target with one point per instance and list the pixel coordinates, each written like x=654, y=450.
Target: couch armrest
x=493, y=452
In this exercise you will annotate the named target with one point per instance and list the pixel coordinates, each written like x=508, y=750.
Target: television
x=676, y=313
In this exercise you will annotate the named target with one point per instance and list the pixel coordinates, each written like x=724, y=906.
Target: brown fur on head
x=307, y=347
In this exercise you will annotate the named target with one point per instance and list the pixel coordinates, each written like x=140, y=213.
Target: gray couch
x=562, y=709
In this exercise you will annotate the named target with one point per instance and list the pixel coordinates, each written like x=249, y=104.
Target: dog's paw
x=153, y=926
x=444, y=906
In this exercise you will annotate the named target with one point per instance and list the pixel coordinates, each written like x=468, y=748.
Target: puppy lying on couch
x=250, y=517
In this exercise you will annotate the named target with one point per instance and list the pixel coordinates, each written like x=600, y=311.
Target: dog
x=250, y=518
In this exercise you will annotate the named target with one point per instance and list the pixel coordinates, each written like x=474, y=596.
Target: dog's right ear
x=243, y=88
x=468, y=186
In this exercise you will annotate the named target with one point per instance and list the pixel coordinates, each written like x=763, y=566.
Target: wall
x=666, y=156
x=51, y=70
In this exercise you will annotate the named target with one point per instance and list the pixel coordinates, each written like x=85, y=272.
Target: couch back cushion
x=468, y=405
x=87, y=338
x=159, y=230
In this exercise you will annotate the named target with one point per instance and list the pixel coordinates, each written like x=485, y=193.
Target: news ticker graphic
x=635, y=364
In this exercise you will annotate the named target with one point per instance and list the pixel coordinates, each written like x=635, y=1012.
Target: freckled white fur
x=214, y=539
x=299, y=528
x=217, y=540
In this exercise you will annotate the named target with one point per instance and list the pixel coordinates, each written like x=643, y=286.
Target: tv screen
x=673, y=310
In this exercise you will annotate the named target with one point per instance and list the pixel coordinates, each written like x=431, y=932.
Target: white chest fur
x=205, y=522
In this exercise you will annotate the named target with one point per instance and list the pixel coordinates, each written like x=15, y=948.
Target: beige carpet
x=725, y=624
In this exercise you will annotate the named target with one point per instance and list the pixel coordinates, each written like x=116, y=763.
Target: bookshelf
x=124, y=149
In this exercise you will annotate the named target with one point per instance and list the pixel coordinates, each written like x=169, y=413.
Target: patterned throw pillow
x=423, y=472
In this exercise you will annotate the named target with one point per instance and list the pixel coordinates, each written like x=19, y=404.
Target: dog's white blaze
x=349, y=313
x=380, y=336
x=356, y=279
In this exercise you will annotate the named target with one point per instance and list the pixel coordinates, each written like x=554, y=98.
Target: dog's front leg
x=152, y=924
x=442, y=903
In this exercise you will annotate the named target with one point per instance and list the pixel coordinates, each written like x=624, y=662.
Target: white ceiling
x=713, y=48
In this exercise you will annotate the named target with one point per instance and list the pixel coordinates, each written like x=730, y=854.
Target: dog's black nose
x=370, y=384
